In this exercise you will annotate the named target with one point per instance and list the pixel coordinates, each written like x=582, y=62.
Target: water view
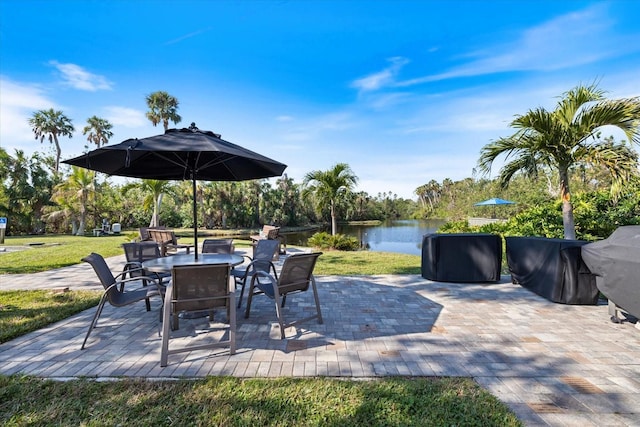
x=403, y=236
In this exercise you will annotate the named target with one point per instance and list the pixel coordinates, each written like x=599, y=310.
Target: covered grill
x=616, y=263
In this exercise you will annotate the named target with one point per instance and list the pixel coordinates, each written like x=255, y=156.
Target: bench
x=167, y=241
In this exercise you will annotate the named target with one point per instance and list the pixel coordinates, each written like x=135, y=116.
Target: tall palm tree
x=566, y=137
x=79, y=187
x=329, y=188
x=156, y=189
x=162, y=108
x=99, y=131
x=51, y=124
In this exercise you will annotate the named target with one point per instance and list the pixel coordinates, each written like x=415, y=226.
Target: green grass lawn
x=25, y=311
x=225, y=401
x=56, y=251
x=62, y=251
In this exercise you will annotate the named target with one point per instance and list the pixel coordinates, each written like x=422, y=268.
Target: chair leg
x=279, y=315
x=95, y=319
x=166, y=314
x=175, y=321
x=244, y=282
x=146, y=301
x=231, y=313
x=249, y=298
x=315, y=297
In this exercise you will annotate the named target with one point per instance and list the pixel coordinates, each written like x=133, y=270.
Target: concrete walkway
x=553, y=364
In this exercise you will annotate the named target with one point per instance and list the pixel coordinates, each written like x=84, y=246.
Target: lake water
x=403, y=236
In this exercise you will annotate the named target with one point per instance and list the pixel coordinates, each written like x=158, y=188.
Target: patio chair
x=271, y=232
x=112, y=289
x=218, y=246
x=295, y=276
x=138, y=252
x=263, y=254
x=198, y=288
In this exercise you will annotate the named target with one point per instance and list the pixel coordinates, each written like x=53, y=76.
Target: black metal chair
x=138, y=252
x=296, y=276
x=114, y=289
x=218, y=246
x=263, y=254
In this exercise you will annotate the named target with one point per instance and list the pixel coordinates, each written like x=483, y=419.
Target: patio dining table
x=165, y=264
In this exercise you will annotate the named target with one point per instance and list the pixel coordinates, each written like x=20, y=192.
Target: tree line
x=551, y=154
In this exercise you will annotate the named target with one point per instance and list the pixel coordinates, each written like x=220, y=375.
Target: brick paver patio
x=552, y=364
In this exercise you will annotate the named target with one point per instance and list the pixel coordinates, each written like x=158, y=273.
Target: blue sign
x=3, y=222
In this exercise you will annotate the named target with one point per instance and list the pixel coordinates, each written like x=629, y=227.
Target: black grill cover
x=552, y=268
x=461, y=257
x=616, y=263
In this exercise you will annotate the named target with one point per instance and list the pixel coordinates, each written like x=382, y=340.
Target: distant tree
x=51, y=124
x=329, y=188
x=155, y=190
x=79, y=187
x=568, y=136
x=162, y=108
x=99, y=131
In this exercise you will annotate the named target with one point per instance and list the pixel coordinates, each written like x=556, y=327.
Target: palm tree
x=162, y=108
x=50, y=124
x=99, y=130
x=79, y=186
x=329, y=188
x=566, y=137
x=156, y=188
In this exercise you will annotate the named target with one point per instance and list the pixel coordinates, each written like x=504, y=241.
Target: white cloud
x=567, y=41
x=284, y=118
x=18, y=101
x=188, y=36
x=313, y=128
x=382, y=78
x=79, y=78
x=126, y=117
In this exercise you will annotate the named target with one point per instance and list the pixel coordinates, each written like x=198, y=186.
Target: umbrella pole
x=195, y=218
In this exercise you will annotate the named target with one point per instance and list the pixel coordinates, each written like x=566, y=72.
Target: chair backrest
x=114, y=296
x=270, y=232
x=217, y=246
x=265, y=250
x=144, y=232
x=200, y=287
x=163, y=236
x=296, y=272
x=141, y=251
x=101, y=268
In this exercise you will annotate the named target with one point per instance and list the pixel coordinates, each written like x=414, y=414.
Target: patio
x=553, y=364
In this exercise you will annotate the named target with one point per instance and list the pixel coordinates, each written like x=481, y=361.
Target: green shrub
x=324, y=240
x=461, y=226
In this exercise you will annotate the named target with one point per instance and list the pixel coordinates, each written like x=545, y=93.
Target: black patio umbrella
x=180, y=154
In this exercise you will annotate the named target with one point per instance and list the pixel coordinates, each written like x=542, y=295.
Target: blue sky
x=402, y=91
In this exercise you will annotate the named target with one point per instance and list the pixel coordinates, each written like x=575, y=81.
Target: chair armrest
x=271, y=267
x=266, y=287
x=132, y=279
x=132, y=265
